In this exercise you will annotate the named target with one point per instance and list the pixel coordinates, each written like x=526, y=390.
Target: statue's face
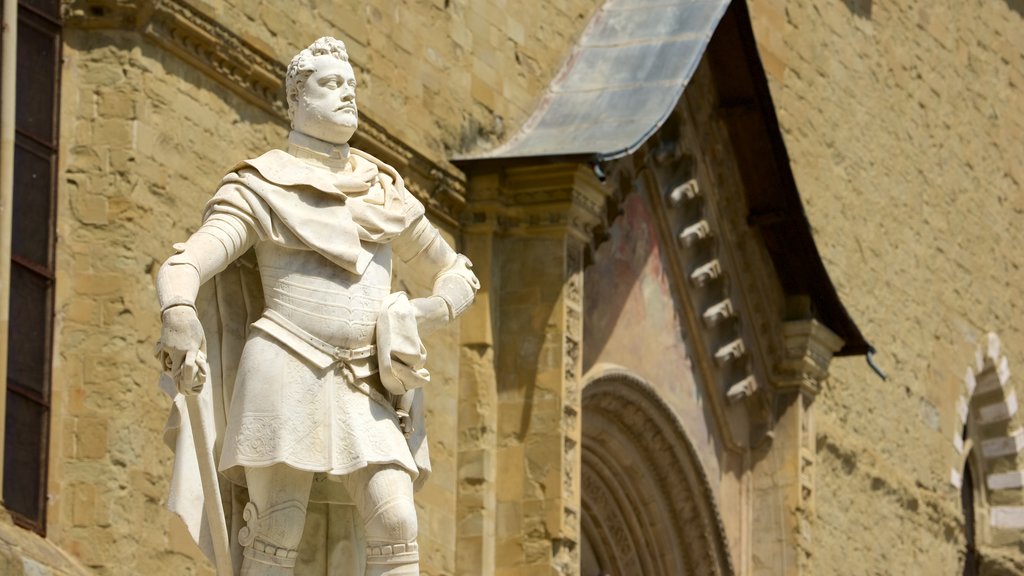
x=327, y=102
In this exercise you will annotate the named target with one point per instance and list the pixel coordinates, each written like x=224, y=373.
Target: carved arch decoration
x=988, y=444
x=647, y=505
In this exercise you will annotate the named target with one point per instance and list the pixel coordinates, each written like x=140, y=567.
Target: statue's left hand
x=431, y=314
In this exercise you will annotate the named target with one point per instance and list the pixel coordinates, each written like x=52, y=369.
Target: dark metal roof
x=622, y=80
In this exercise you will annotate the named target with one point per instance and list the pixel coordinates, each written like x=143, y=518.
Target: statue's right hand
x=181, y=340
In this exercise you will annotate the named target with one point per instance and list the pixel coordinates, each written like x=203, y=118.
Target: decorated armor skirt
x=285, y=410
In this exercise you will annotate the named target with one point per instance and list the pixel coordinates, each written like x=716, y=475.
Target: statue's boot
x=270, y=539
x=253, y=567
x=393, y=560
x=391, y=531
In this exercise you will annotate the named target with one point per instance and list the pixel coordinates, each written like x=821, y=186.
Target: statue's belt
x=357, y=363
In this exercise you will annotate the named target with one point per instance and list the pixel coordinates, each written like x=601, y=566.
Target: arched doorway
x=647, y=505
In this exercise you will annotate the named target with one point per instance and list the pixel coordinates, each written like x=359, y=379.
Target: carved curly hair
x=301, y=67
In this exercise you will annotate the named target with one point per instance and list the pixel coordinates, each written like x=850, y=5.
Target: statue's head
x=321, y=89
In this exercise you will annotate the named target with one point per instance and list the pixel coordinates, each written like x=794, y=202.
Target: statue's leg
x=345, y=550
x=274, y=516
x=383, y=496
x=332, y=542
x=312, y=558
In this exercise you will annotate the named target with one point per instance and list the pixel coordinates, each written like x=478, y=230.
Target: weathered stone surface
x=23, y=553
x=898, y=118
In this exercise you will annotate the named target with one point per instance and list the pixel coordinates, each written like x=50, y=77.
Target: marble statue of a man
x=279, y=312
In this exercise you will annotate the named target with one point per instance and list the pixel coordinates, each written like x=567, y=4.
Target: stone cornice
x=563, y=197
x=247, y=70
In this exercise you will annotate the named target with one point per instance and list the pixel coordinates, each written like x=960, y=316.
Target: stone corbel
x=808, y=349
x=687, y=191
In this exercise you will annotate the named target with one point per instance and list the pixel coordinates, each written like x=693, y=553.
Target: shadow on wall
x=862, y=8
x=1016, y=5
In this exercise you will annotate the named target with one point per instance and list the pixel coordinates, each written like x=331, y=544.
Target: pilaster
x=785, y=469
x=535, y=223
x=478, y=395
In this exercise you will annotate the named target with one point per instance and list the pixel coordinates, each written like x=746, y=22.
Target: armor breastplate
x=329, y=302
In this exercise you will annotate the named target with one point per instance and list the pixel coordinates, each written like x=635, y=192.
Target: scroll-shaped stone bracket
x=695, y=233
x=719, y=313
x=731, y=352
x=703, y=275
x=685, y=192
x=742, y=390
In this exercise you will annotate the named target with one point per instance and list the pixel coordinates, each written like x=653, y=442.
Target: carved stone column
x=539, y=219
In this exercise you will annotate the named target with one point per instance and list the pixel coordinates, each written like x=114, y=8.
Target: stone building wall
x=145, y=137
x=903, y=124
x=446, y=74
x=145, y=140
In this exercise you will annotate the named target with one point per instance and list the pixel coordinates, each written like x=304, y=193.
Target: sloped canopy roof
x=621, y=82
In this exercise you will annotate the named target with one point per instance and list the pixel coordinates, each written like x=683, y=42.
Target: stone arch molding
x=990, y=431
x=647, y=505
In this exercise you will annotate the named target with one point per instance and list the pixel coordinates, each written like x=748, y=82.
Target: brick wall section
x=903, y=123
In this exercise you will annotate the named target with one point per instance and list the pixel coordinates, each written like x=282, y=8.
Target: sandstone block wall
x=446, y=74
x=145, y=141
x=903, y=123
